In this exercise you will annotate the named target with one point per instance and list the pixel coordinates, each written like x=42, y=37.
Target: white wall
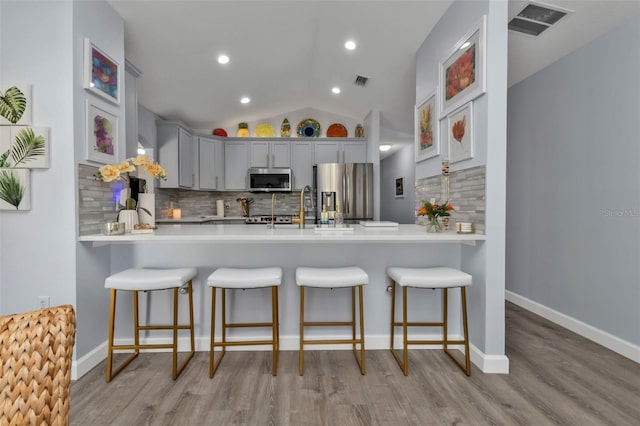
x=104, y=27
x=573, y=234
x=400, y=164
x=38, y=246
x=485, y=261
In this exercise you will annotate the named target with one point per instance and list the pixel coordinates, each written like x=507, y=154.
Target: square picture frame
x=399, y=187
x=461, y=75
x=102, y=134
x=460, y=133
x=16, y=189
x=426, y=128
x=101, y=73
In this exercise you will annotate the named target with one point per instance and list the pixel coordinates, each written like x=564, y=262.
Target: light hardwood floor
x=557, y=377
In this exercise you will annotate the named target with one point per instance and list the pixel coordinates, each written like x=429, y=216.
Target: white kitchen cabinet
x=302, y=164
x=210, y=163
x=268, y=154
x=236, y=164
x=340, y=152
x=175, y=154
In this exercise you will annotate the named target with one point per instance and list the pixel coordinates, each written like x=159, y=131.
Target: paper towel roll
x=220, y=208
x=147, y=201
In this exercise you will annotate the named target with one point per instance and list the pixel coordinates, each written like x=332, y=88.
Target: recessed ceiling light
x=384, y=148
x=350, y=45
x=465, y=45
x=223, y=59
x=245, y=100
x=336, y=90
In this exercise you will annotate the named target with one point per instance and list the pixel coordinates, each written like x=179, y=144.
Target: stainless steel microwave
x=269, y=180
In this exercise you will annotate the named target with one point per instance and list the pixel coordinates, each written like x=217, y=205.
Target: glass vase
x=434, y=225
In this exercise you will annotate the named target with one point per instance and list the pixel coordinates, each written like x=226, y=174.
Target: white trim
x=609, y=341
x=496, y=364
x=82, y=366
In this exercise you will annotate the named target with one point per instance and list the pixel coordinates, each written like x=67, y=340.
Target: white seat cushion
x=331, y=277
x=150, y=279
x=439, y=277
x=245, y=277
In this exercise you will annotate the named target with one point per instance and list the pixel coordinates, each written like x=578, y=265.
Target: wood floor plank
x=556, y=378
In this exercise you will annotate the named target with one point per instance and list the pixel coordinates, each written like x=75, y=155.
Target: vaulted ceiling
x=287, y=55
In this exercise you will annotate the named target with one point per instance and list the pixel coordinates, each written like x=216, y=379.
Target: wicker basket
x=36, y=351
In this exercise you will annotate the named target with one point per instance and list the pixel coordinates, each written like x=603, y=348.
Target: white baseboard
x=82, y=366
x=609, y=341
x=487, y=363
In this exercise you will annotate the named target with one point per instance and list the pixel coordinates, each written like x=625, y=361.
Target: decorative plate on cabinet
x=309, y=128
x=264, y=130
x=336, y=130
x=285, y=128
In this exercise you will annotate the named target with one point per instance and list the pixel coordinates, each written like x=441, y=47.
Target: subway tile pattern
x=94, y=200
x=195, y=203
x=466, y=194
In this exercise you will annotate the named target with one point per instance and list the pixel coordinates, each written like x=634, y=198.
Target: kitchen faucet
x=300, y=219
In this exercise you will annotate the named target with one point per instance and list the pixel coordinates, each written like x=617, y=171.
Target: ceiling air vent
x=535, y=18
x=361, y=80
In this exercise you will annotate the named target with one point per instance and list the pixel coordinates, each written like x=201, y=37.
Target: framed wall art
x=462, y=73
x=400, y=187
x=460, y=133
x=101, y=73
x=426, y=128
x=102, y=134
x=15, y=105
x=15, y=189
x=24, y=147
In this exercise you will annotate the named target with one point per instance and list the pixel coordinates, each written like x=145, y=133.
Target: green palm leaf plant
x=11, y=190
x=3, y=160
x=27, y=146
x=12, y=104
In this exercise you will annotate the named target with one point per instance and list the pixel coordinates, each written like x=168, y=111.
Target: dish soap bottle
x=324, y=216
x=339, y=217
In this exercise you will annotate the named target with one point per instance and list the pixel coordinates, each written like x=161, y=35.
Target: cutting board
x=378, y=223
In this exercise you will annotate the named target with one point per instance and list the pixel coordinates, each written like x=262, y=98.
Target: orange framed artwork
x=426, y=128
x=462, y=72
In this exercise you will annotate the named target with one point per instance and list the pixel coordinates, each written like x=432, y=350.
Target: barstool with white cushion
x=350, y=276
x=244, y=278
x=136, y=280
x=438, y=277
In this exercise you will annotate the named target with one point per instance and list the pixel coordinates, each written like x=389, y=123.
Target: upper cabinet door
x=236, y=159
x=354, y=152
x=327, y=152
x=280, y=154
x=302, y=164
x=259, y=154
x=185, y=158
x=207, y=162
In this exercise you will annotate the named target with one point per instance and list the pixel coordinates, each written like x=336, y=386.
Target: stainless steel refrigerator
x=345, y=186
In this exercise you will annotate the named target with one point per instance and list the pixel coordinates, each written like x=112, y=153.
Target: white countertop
x=200, y=219
x=284, y=233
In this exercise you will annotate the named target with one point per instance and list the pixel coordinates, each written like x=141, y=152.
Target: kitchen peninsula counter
x=209, y=246
x=286, y=233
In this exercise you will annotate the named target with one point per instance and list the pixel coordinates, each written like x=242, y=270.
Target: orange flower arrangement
x=434, y=210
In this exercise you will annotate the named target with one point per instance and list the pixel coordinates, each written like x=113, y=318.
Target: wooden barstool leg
x=393, y=313
x=362, y=356
x=112, y=313
x=174, y=369
x=274, y=325
x=353, y=319
x=445, y=316
x=467, y=356
x=301, y=354
x=405, y=345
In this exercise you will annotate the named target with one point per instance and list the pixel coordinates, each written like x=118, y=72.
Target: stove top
x=264, y=219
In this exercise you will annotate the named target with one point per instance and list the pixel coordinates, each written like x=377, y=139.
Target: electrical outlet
x=44, y=302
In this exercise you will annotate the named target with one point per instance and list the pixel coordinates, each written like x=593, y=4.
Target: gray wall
x=573, y=231
x=37, y=246
x=400, y=164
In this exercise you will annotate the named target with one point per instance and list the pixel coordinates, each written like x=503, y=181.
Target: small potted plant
x=434, y=210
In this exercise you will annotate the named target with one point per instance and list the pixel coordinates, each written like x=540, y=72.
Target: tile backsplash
x=95, y=201
x=195, y=203
x=466, y=195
